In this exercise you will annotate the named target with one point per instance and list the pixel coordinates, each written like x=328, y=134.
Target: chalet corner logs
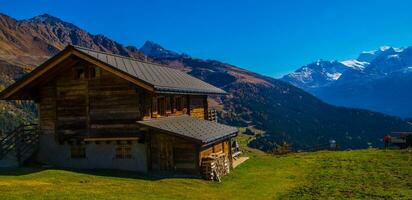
x=99, y=110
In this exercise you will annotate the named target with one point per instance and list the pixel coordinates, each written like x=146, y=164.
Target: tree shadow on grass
x=153, y=176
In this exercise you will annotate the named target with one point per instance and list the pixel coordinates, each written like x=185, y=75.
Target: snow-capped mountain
x=368, y=56
x=379, y=80
x=318, y=74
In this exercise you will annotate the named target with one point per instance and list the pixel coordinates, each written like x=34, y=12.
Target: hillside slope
x=285, y=112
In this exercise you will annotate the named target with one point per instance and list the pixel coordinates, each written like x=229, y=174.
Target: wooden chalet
x=99, y=110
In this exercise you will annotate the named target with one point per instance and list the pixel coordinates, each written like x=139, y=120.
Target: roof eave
x=162, y=89
x=220, y=139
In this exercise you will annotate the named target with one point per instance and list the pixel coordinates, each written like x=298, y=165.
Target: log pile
x=215, y=166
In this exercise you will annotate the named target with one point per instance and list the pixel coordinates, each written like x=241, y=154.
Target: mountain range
x=284, y=112
x=378, y=80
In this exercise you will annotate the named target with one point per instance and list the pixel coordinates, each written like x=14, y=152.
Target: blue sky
x=268, y=37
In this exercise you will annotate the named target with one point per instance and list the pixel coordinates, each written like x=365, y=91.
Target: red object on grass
x=387, y=138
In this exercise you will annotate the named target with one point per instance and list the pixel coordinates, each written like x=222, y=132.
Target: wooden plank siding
x=47, y=109
x=79, y=107
x=172, y=154
x=71, y=106
x=114, y=106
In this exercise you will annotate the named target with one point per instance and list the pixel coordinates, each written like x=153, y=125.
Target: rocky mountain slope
x=284, y=112
x=378, y=80
x=33, y=40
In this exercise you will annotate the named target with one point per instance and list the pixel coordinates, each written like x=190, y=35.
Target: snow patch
x=394, y=56
x=398, y=50
x=355, y=64
x=333, y=76
x=304, y=75
x=369, y=52
x=384, y=48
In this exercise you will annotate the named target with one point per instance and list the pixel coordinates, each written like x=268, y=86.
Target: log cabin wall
x=85, y=101
x=71, y=104
x=114, y=106
x=47, y=109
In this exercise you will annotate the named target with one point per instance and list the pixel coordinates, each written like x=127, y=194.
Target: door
x=161, y=153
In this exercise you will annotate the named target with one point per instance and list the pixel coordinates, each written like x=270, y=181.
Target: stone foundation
x=97, y=155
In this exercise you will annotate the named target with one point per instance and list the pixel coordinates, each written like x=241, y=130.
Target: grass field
x=365, y=174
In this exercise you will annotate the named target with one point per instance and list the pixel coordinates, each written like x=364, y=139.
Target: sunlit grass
x=367, y=174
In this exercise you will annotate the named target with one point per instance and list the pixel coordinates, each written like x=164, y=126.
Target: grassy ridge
x=370, y=174
x=365, y=174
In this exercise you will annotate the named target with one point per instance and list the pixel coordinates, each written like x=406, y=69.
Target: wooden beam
x=188, y=104
x=205, y=108
x=110, y=139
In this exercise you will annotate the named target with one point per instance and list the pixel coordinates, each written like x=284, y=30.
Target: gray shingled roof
x=189, y=127
x=163, y=79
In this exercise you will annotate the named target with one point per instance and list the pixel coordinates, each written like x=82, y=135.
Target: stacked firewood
x=215, y=166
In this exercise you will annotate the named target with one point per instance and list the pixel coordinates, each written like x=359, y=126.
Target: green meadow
x=362, y=174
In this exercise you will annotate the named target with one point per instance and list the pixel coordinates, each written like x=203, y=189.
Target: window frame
x=124, y=151
x=94, y=72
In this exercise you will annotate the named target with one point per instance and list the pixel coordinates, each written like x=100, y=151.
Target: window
x=79, y=73
x=94, y=72
x=82, y=72
x=154, y=105
x=179, y=103
x=196, y=102
x=124, y=151
x=161, y=110
x=78, y=151
x=168, y=104
x=161, y=105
